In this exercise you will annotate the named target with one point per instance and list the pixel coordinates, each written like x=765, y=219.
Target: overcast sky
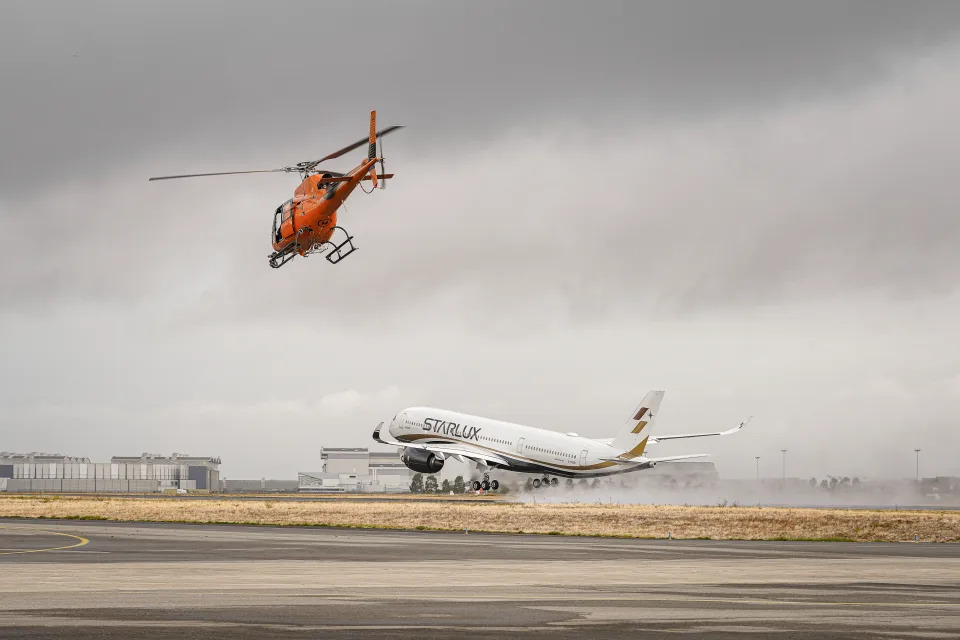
x=750, y=205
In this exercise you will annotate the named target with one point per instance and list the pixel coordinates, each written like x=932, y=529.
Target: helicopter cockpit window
x=286, y=209
x=283, y=213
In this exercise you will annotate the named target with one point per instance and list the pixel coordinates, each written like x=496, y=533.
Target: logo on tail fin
x=641, y=423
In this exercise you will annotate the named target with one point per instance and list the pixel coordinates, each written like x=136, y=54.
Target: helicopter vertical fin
x=372, y=146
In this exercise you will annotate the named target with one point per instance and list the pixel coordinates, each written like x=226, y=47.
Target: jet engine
x=421, y=461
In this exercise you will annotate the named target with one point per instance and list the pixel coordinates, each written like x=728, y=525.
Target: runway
x=95, y=579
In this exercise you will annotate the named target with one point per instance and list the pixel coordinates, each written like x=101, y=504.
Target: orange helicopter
x=306, y=223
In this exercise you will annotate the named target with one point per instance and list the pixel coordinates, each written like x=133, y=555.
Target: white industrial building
x=356, y=469
x=145, y=473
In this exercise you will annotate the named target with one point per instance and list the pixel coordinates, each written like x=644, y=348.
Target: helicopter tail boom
x=380, y=176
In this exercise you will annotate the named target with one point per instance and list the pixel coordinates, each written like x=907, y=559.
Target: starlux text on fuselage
x=451, y=429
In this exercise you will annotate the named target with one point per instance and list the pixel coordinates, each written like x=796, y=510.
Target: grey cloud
x=89, y=88
x=827, y=198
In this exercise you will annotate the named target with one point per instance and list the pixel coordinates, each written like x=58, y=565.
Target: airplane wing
x=462, y=453
x=484, y=457
x=656, y=439
x=673, y=458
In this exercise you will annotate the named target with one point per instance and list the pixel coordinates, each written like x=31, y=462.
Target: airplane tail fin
x=632, y=439
x=372, y=146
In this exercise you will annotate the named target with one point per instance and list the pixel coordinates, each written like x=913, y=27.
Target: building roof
x=37, y=456
x=173, y=458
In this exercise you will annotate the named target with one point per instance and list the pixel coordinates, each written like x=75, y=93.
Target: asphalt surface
x=107, y=580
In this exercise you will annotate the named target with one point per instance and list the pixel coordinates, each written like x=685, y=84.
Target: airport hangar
x=352, y=469
x=53, y=472
x=342, y=470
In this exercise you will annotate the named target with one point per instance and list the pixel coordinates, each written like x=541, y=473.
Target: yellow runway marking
x=82, y=541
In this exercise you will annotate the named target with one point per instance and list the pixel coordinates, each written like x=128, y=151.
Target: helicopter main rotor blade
x=219, y=173
x=359, y=143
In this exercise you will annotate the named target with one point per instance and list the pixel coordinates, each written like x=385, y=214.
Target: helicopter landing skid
x=341, y=250
x=279, y=258
x=335, y=251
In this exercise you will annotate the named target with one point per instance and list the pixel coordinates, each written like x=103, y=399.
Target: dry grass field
x=640, y=521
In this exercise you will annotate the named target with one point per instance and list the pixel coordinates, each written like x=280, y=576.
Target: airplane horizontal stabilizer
x=674, y=458
x=652, y=461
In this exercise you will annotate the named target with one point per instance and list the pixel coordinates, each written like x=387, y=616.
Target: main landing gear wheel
x=536, y=483
x=485, y=485
x=554, y=482
x=476, y=485
x=494, y=485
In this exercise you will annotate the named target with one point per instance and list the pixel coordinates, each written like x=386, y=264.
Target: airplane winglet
x=736, y=428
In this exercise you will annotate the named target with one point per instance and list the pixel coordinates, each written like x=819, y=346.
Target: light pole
x=784, y=472
x=917, y=451
x=757, y=458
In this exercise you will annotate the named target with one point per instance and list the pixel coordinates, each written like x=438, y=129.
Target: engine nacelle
x=421, y=461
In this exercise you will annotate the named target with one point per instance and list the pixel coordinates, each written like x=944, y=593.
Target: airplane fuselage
x=526, y=449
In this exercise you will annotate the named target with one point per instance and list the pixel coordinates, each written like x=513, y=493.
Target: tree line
x=419, y=484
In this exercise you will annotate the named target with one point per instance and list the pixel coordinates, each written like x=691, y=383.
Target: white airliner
x=429, y=436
